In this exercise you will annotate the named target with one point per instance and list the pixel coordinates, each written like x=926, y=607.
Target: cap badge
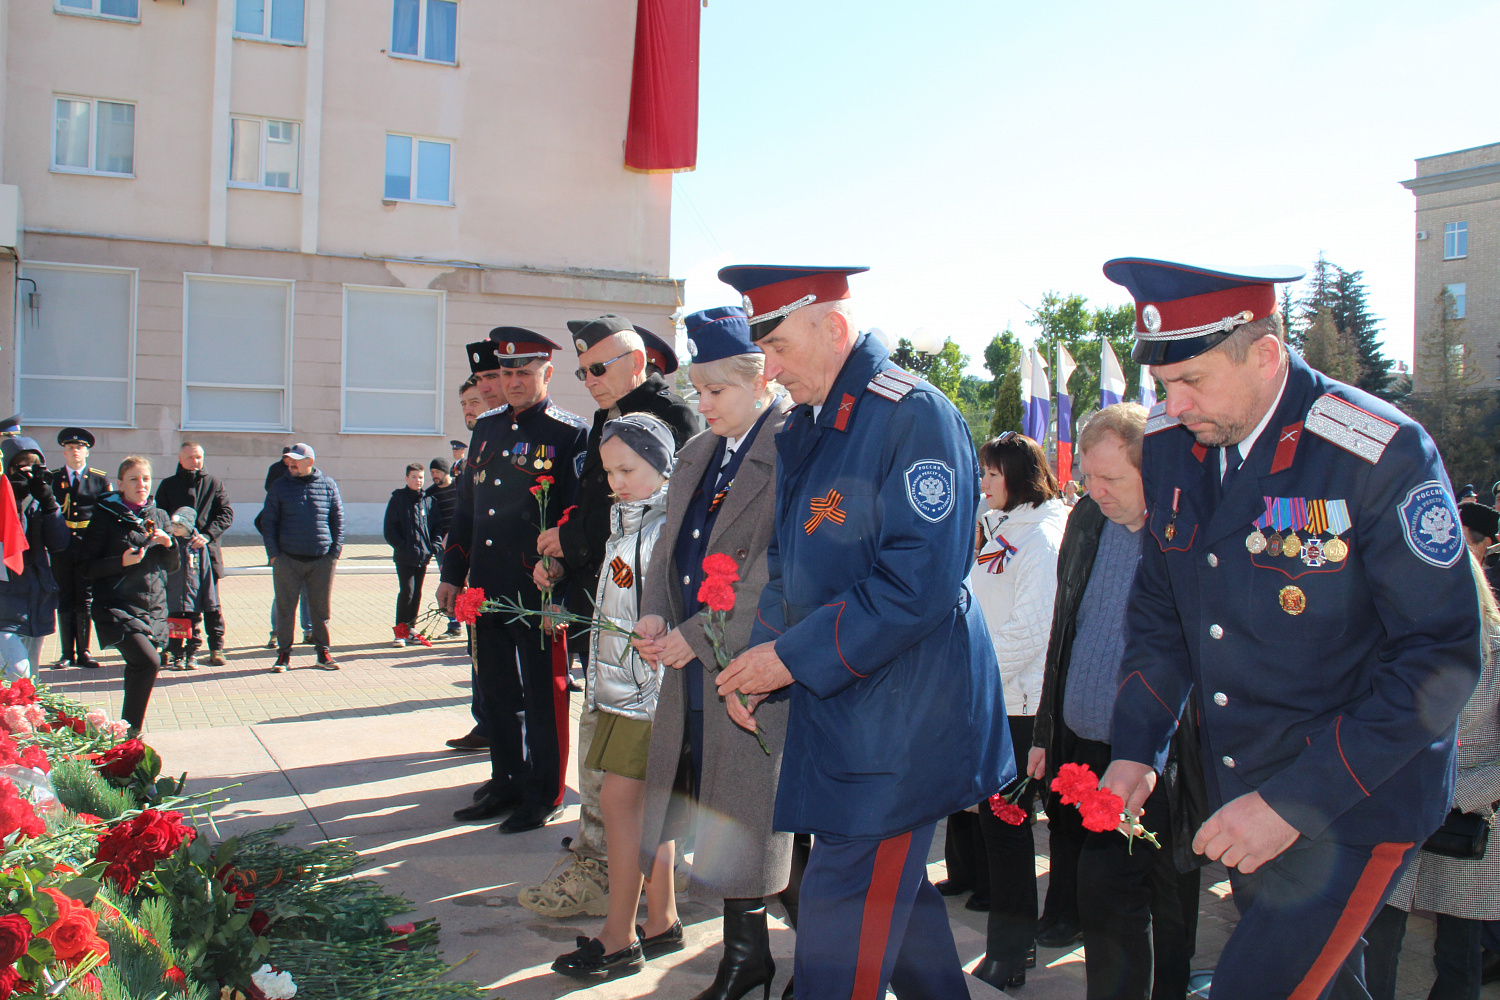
x=692, y=349
x=476, y=357
x=749, y=309
x=581, y=344
x=510, y=348
x=1151, y=316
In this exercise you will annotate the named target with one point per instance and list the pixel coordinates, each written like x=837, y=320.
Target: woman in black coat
x=28, y=600
x=128, y=554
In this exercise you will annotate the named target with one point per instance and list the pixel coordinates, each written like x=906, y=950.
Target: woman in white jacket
x=1015, y=580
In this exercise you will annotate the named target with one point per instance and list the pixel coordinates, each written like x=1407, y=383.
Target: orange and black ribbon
x=621, y=572
x=825, y=508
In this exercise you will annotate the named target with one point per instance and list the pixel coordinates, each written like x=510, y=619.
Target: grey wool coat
x=737, y=854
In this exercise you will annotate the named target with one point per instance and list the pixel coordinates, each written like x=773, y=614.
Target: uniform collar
x=868, y=357
x=536, y=409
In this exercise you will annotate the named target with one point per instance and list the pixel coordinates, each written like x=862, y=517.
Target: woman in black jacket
x=413, y=524
x=28, y=599
x=128, y=554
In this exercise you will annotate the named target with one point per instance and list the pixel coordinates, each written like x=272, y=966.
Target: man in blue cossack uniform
x=491, y=544
x=897, y=715
x=1304, y=591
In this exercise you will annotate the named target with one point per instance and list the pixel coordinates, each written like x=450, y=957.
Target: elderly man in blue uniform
x=897, y=715
x=1304, y=591
x=492, y=544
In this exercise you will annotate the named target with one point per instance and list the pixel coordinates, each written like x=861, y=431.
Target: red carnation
x=717, y=594
x=403, y=631
x=466, y=605
x=722, y=566
x=120, y=761
x=537, y=490
x=1073, y=781
x=544, y=480
x=35, y=756
x=15, y=938
x=1101, y=810
x=418, y=637
x=16, y=814
x=1009, y=812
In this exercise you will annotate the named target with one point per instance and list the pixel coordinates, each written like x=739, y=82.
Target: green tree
x=1343, y=294
x=1002, y=358
x=1330, y=349
x=1069, y=320
x=1449, y=399
x=945, y=369
x=1289, y=318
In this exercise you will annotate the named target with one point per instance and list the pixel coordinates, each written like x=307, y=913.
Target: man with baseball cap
x=1290, y=520
x=302, y=525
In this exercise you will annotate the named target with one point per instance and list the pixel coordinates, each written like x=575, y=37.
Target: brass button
x=1221, y=699
x=1213, y=560
x=695, y=532
x=489, y=541
x=1228, y=761
x=1216, y=631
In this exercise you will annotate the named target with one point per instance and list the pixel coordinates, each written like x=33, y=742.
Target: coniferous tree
x=1449, y=398
x=1353, y=318
x=1002, y=358
x=1330, y=349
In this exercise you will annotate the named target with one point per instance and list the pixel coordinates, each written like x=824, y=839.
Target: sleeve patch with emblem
x=1430, y=523
x=930, y=489
x=1351, y=428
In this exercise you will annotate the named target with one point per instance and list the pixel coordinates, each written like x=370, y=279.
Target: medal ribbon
x=1299, y=513
x=1338, y=516
x=994, y=561
x=1264, y=521
x=1317, y=516
x=1282, y=513
x=713, y=504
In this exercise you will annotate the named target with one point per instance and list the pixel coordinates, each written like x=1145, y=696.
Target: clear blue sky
x=977, y=154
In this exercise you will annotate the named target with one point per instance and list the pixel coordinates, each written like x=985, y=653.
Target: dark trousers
x=409, y=592
x=306, y=611
x=1302, y=920
x=1457, y=956
x=476, y=700
x=870, y=919
x=525, y=708
x=74, y=597
x=290, y=575
x=142, y=661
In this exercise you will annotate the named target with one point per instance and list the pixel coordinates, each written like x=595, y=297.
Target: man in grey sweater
x=303, y=528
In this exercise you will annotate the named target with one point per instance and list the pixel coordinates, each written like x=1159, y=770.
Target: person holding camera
x=28, y=597
x=128, y=553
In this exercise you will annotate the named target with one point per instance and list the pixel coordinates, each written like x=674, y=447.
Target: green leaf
x=82, y=889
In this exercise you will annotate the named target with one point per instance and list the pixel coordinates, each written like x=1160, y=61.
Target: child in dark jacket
x=413, y=524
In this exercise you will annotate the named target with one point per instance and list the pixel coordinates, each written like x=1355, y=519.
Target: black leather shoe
x=531, y=817
x=948, y=887
x=470, y=742
x=998, y=974
x=85, y=660
x=977, y=903
x=657, y=945
x=1059, y=934
x=483, y=789
x=488, y=808
x=590, y=962
x=1489, y=968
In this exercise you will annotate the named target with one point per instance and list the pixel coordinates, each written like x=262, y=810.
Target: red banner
x=663, y=132
x=12, y=538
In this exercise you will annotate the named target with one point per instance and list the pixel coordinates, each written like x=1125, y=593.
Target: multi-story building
x=253, y=222
x=1458, y=249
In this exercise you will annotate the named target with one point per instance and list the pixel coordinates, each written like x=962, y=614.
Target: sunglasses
x=597, y=368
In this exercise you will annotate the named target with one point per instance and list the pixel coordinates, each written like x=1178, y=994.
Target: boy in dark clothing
x=413, y=524
x=444, y=490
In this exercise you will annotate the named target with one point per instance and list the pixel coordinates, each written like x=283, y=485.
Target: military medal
x=1256, y=540
x=1171, y=531
x=1293, y=600
x=1291, y=545
x=1280, y=516
x=1312, y=553
x=481, y=477
x=1336, y=549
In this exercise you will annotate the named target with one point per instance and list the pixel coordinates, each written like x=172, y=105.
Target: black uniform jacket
x=78, y=504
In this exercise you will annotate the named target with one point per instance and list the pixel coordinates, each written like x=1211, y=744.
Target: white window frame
x=265, y=124
x=265, y=27
x=94, y=11
x=90, y=170
x=286, y=361
x=441, y=339
x=129, y=379
x=1460, y=299
x=1455, y=230
x=422, y=36
x=413, y=199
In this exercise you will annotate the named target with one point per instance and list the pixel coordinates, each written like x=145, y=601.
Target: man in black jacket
x=1137, y=914
x=77, y=487
x=191, y=487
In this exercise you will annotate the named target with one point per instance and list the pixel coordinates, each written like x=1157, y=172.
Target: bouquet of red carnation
x=17, y=815
x=468, y=605
x=720, y=573
x=1102, y=809
x=541, y=491
x=1005, y=806
x=20, y=692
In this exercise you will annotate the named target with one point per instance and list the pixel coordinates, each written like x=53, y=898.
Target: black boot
x=81, y=641
x=747, y=959
x=65, y=634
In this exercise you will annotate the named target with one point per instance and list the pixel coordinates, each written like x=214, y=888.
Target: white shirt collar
x=1248, y=444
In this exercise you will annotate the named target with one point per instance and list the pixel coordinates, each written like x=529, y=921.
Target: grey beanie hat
x=647, y=436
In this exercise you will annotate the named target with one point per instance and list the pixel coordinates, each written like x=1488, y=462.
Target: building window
x=93, y=137
x=418, y=169
x=269, y=20
x=124, y=10
x=237, y=348
x=263, y=153
x=1455, y=240
x=76, y=350
x=393, y=343
x=1457, y=294
x=425, y=29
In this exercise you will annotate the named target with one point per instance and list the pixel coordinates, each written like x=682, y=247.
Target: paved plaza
x=358, y=754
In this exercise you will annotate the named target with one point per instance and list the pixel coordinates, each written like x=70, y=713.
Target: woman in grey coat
x=1463, y=893
x=723, y=501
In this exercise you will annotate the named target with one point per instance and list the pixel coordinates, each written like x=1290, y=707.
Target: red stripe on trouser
x=559, y=642
x=880, y=901
x=1385, y=859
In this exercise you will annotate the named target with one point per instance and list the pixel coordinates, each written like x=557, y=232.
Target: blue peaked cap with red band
x=772, y=292
x=658, y=351
x=715, y=334
x=1182, y=311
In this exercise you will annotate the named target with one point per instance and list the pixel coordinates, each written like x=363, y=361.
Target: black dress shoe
x=665, y=943
x=1489, y=969
x=468, y=743
x=978, y=903
x=488, y=807
x=590, y=962
x=85, y=660
x=483, y=789
x=998, y=974
x=1059, y=934
x=948, y=887
x=530, y=817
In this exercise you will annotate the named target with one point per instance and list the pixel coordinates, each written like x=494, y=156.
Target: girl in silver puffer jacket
x=636, y=451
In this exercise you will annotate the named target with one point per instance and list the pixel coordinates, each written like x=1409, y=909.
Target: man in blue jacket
x=1304, y=591
x=897, y=714
x=303, y=527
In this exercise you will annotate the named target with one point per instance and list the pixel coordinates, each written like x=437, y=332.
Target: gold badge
x=1293, y=600
x=481, y=477
x=547, y=464
x=1255, y=542
x=1335, y=550
x=1171, y=532
x=1291, y=545
x=537, y=464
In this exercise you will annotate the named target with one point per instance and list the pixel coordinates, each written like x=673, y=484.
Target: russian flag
x=1111, y=376
x=1148, y=388
x=1065, y=368
x=1038, y=412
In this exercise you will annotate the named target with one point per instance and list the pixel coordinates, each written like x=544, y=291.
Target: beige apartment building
x=253, y=222
x=1458, y=248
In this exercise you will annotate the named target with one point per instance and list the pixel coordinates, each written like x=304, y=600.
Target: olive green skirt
x=620, y=746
